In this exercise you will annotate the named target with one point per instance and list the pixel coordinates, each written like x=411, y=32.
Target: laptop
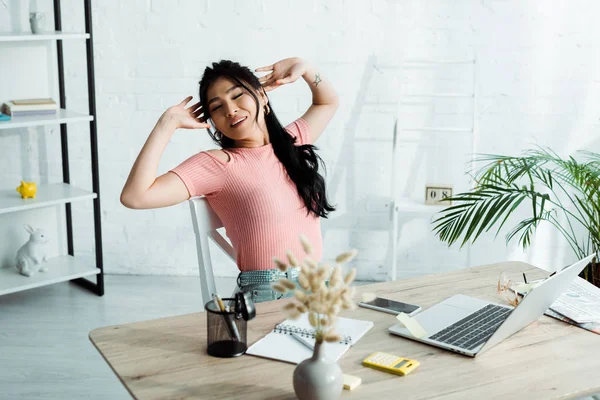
x=470, y=326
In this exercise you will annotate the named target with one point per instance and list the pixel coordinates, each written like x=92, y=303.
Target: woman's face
x=233, y=110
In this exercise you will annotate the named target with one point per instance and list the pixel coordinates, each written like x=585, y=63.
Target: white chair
x=206, y=222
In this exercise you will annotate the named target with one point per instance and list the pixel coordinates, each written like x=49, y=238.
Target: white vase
x=37, y=22
x=318, y=378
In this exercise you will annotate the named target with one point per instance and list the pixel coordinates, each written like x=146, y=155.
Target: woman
x=264, y=182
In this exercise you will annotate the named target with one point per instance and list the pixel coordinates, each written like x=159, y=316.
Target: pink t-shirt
x=257, y=202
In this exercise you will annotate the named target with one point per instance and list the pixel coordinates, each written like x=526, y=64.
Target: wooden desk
x=166, y=358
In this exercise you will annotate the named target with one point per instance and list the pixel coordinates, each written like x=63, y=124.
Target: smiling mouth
x=238, y=122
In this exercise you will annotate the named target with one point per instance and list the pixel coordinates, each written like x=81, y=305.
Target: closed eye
x=236, y=97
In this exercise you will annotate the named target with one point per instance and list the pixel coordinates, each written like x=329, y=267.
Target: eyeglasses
x=506, y=288
x=516, y=291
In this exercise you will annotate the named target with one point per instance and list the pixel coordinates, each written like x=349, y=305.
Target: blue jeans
x=258, y=284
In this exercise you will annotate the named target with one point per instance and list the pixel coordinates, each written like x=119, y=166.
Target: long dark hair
x=300, y=162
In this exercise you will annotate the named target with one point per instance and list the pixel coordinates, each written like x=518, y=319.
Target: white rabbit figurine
x=33, y=252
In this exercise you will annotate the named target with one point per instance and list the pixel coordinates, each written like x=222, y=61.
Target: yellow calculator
x=390, y=363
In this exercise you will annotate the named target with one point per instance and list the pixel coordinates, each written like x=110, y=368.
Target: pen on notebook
x=229, y=323
x=303, y=340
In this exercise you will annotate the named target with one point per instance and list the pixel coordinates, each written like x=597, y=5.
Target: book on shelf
x=28, y=102
x=26, y=107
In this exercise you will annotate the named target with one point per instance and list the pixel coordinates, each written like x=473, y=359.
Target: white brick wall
x=537, y=83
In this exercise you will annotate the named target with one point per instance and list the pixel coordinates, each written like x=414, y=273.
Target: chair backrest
x=206, y=222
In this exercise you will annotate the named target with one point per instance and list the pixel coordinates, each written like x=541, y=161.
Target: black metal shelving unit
x=97, y=287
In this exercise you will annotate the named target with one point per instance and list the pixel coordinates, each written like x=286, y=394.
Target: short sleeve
x=203, y=174
x=299, y=129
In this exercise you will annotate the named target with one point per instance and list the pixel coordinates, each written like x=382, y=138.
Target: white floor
x=45, y=352
x=44, y=348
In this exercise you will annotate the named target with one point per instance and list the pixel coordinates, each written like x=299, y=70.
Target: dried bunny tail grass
x=301, y=296
x=289, y=306
x=348, y=294
x=326, y=267
x=336, y=276
x=335, y=309
x=292, y=259
x=325, y=321
x=332, y=337
x=346, y=256
x=315, y=284
x=278, y=287
x=289, y=285
x=306, y=244
x=313, y=301
x=313, y=319
x=351, y=291
x=367, y=297
x=348, y=305
x=323, y=289
x=280, y=264
x=350, y=276
x=329, y=296
x=292, y=314
x=301, y=308
x=322, y=307
x=310, y=263
x=323, y=272
x=331, y=318
x=303, y=281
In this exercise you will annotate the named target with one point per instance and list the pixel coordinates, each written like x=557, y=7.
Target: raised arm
x=143, y=189
x=324, y=98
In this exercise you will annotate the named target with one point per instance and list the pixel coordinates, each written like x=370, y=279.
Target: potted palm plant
x=562, y=192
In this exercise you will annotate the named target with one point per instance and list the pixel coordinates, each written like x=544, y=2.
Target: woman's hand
x=186, y=118
x=282, y=72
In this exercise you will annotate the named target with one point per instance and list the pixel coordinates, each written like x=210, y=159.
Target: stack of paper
x=581, y=302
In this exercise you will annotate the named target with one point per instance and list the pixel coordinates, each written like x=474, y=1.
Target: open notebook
x=280, y=345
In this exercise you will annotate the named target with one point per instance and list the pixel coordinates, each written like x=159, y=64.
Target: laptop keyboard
x=474, y=329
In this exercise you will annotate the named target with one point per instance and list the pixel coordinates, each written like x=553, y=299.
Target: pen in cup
x=229, y=323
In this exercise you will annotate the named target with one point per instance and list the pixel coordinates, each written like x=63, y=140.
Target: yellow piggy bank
x=27, y=189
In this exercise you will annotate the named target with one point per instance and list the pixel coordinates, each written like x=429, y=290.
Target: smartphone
x=391, y=306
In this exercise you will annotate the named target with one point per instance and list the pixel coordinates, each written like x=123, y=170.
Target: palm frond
x=539, y=175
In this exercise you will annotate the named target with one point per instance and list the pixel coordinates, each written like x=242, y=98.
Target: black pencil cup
x=226, y=332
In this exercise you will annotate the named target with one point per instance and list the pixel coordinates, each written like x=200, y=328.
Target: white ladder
x=381, y=213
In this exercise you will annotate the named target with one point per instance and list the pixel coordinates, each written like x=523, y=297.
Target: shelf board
x=380, y=221
x=47, y=195
x=59, y=269
x=62, y=116
x=29, y=37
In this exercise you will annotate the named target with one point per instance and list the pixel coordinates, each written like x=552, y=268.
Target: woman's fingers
x=199, y=124
x=269, y=82
x=287, y=79
x=186, y=100
x=265, y=78
x=275, y=83
x=263, y=69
